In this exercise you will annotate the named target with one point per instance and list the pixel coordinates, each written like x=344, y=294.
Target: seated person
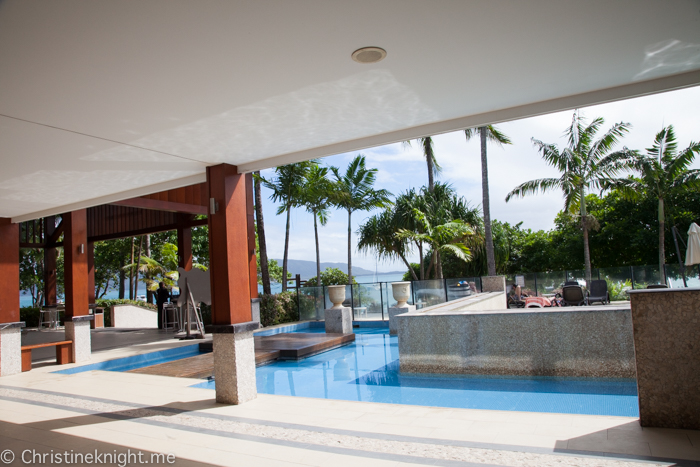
x=516, y=291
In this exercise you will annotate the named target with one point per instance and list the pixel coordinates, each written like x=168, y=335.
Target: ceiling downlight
x=369, y=55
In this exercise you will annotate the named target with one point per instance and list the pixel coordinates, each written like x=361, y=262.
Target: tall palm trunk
x=286, y=249
x=131, y=272
x=422, y=266
x=586, y=249
x=408, y=265
x=490, y=255
x=662, y=248
x=138, y=265
x=318, y=254
x=149, y=294
x=349, y=247
x=264, y=269
x=438, y=265
x=428, y=151
x=122, y=277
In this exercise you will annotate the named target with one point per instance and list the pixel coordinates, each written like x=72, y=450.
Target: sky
x=401, y=167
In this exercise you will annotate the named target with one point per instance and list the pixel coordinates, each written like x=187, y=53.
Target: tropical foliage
x=586, y=163
x=487, y=133
x=354, y=191
x=662, y=172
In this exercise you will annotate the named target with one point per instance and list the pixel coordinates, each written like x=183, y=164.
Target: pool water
x=137, y=361
x=368, y=370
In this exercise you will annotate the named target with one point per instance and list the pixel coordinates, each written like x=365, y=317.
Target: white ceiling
x=104, y=100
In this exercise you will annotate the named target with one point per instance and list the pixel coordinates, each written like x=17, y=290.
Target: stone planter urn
x=337, y=295
x=401, y=292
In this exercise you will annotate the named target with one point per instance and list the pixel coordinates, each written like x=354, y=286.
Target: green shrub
x=108, y=302
x=330, y=276
x=618, y=289
x=278, y=308
x=30, y=316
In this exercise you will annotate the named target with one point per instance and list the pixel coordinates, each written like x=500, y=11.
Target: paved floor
x=108, y=412
x=101, y=339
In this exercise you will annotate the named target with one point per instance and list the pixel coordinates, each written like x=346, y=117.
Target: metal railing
x=371, y=301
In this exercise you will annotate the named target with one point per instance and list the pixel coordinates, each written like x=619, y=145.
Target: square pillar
x=50, y=257
x=339, y=320
x=250, y=223
x=78, y=331
x=229, y=267
x=184, y=246
x=395, y=311
x=91, y=272
x=234, y=363
x=77, y=317
x=10, y=325
x=666, y=331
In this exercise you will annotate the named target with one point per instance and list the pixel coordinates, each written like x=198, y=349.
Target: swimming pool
x=367, y=370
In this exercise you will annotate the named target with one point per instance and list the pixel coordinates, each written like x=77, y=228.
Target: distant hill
x=307, y=269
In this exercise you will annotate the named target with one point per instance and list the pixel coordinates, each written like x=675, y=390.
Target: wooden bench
x=64, y=353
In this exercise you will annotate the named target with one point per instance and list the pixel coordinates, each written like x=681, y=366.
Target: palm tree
x=451, y=236
x=433, y=167
x=663, y=171
x=315, y=196
x=287, y=188
x=262, y=244
x=354, y=191
x=378, y=233
x=487, y=133
x=586, y=163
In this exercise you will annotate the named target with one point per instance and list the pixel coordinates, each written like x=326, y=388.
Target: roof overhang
x=105, y=101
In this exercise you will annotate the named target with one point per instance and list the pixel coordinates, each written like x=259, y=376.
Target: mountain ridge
x=307, y=269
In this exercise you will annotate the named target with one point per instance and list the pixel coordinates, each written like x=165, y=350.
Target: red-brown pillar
x=50, y=256
x=77, y=318
x=76, y=263
x=10, y=327
x=229, y=268
x=250, y=222
x=9, y=271
x=91, y=271
x=228, y=246
x=184, y=246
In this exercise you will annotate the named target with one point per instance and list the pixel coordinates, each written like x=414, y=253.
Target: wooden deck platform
x=267, y=349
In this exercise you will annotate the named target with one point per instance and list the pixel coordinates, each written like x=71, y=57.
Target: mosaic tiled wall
x=667, y=346
x=581, y=341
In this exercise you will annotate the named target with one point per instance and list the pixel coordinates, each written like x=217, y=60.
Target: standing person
x=162, y=296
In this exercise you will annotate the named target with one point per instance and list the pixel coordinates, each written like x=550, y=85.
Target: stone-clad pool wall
x=570, y=341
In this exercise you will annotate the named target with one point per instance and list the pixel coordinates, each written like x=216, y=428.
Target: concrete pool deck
x=109, y=410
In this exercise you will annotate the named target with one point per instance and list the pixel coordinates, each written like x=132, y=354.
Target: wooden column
x=76, y=263
x=228, y=246
x=50, y=256
x=250, y=222
x=184, y=245
x=9, y=271
x=91, y=271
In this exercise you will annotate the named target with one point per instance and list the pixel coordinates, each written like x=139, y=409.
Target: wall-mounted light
x=213, y=206
x=81, y=248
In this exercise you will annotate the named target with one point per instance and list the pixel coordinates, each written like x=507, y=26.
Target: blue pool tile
x=368, y=370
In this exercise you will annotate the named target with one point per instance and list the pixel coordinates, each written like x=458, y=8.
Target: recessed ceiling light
x=369, y=55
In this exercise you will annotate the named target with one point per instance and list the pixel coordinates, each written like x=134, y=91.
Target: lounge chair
x=570, y=283
x=572, y=295
x=657, y=286
x=599, y=292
